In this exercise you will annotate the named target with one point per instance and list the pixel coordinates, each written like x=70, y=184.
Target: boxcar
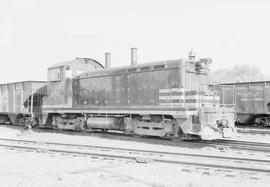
x=17, y=103
x=252, y=102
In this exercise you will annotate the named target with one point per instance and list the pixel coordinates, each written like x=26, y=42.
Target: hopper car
x=20, y=101
x=252, y=102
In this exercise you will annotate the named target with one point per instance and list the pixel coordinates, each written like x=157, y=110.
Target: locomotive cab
x=60, y=77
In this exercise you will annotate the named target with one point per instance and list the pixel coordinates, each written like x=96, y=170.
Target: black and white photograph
x=134, y=93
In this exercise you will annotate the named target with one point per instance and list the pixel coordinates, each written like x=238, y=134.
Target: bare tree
x=239, y=73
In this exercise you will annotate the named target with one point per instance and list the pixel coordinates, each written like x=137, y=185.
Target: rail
x=209, y=161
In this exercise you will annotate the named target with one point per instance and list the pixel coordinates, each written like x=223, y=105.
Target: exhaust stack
x=134, y=56
x=107, y=60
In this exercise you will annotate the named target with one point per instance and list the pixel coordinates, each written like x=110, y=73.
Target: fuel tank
x=102, y=123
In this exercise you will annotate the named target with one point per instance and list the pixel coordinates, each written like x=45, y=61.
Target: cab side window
x=54, y=74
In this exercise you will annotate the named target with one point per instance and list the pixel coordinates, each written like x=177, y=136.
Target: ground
x=21, y=168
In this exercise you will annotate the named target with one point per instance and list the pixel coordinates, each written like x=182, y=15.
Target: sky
x=35, y=34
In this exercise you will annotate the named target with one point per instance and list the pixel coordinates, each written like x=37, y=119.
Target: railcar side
x=21, y=101
x=252, y=102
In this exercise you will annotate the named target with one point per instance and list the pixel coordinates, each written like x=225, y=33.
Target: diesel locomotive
x=169, y=98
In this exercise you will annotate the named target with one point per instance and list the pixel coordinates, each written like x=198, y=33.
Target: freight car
x=167, y=98
x=21, y=101
x=252, y=102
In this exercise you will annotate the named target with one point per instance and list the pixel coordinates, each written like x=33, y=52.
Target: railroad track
x=220, y=144
x=253, y=130
x=232, y=144
x=241, y=145
x=144, y=156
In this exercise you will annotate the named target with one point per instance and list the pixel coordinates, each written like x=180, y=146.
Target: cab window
x=54, y=74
